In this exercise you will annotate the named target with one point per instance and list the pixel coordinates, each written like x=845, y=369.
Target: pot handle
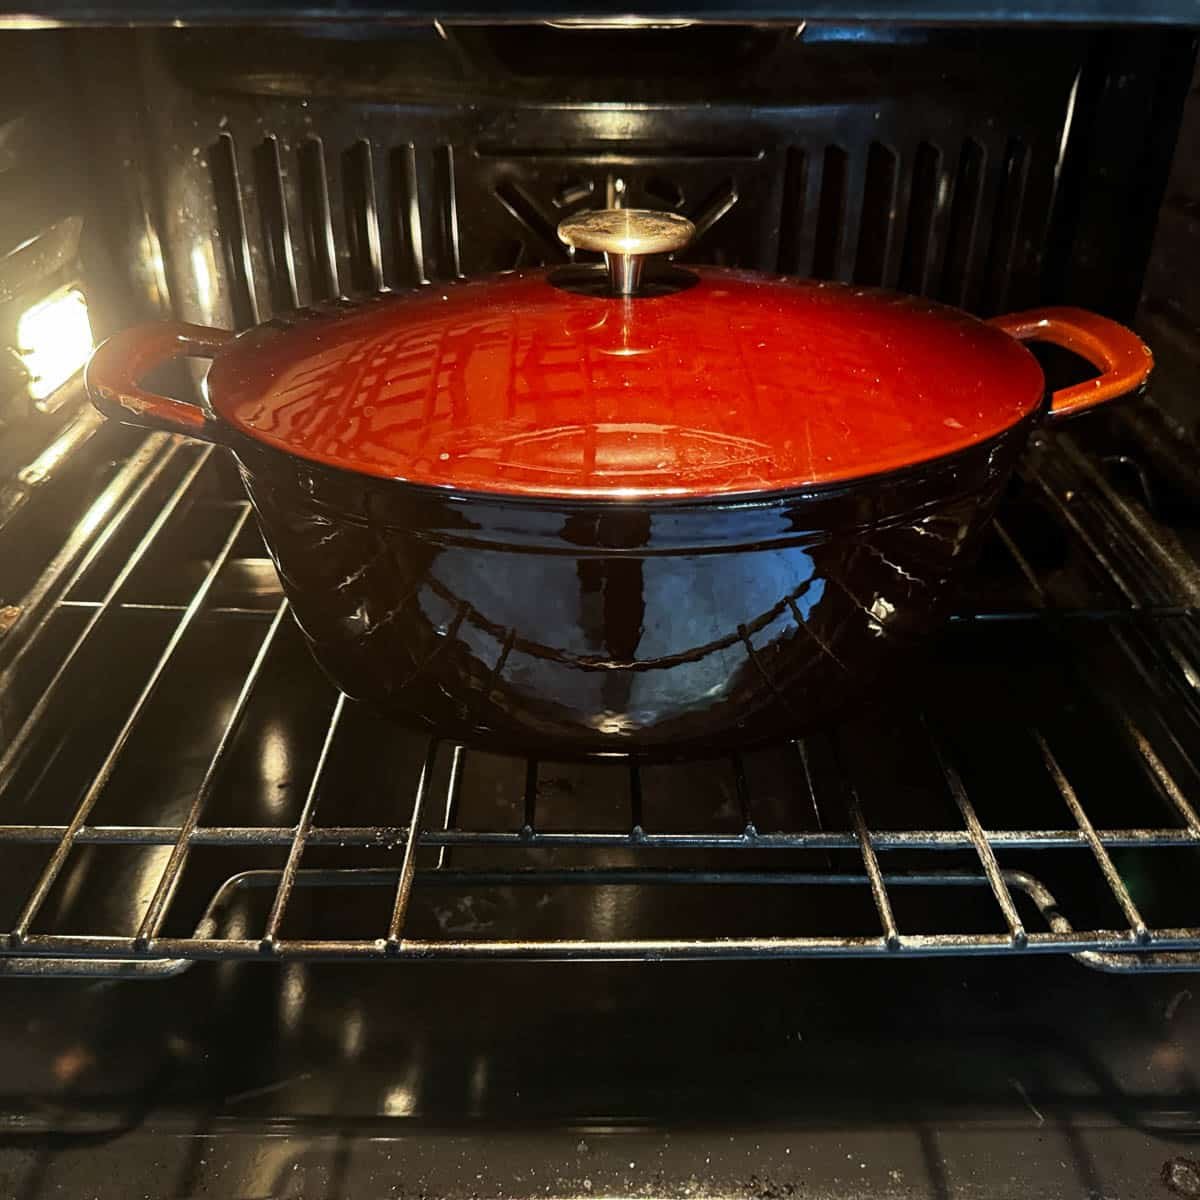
x=118, y=364
x=1123, y=359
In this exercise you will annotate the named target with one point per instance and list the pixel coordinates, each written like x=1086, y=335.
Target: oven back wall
x=248, y=171
x=226, y=175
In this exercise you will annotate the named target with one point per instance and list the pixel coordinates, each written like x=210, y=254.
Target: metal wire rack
x=237, y=836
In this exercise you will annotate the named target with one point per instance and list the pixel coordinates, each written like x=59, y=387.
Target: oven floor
x=905, y=1079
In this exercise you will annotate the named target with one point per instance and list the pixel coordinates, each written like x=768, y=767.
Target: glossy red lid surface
x=739, y=383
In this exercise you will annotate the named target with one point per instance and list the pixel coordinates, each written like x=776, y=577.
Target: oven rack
x=1142, y=611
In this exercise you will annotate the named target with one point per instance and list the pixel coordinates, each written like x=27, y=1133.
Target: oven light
x=399, y=1101
x=54, y=339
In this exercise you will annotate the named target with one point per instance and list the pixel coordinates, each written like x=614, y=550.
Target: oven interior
x=262, y=943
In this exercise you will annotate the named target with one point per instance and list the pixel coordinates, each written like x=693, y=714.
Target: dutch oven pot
x=571, y=512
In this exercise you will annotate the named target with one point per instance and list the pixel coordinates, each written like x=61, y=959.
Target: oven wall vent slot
x=276, y=227
x=444, y=172
x=793, y=218
x=927, y=202
x=362, y=218
x=406, y=218
x=1006, y=226
x=963, y=238
x=231, y=229
x=317, y=220
x=877, y=226
x=831, y=214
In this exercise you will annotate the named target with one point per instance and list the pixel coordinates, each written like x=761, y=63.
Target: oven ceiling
x=927, y=12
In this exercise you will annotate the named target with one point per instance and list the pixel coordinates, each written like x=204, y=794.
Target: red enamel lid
x=738, y=383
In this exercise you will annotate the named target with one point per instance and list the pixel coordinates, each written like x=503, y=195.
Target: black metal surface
x=1050, y=12
x=1127, y=108
x=588, y=1082
x=930, y=1078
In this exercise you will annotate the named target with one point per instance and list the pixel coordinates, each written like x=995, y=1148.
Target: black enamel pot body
x=659, y=628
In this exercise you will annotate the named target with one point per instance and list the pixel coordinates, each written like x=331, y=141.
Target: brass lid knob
x=625, y=236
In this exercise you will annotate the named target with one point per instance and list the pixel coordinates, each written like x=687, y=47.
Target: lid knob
x=625, y=236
